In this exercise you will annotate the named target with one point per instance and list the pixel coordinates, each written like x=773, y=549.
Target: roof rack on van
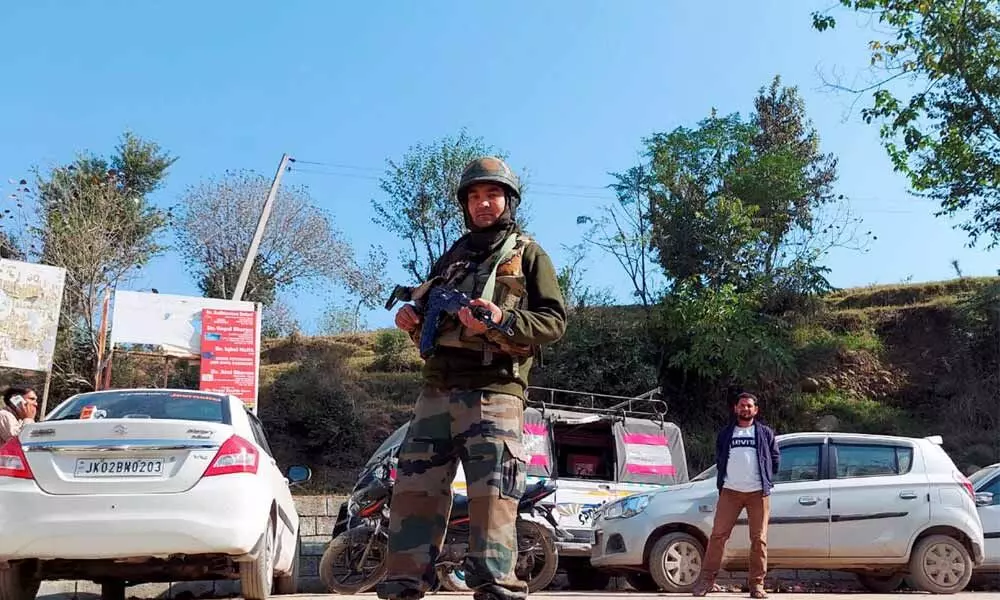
x=626, y=406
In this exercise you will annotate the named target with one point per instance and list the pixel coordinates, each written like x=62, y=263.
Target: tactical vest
x=500, y=279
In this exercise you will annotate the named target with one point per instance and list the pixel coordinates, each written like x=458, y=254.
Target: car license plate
x=119, y=467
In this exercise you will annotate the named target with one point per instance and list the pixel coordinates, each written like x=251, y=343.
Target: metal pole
x=241, y=284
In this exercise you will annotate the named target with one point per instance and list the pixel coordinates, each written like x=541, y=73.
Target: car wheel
x=940, y=564
x=257, y=576
x=18, y=582
x=287, y=585
x=641, y=582
x=880, y=584
x=675, y=562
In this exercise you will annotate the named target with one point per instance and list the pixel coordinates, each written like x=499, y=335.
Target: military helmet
x=488, y=169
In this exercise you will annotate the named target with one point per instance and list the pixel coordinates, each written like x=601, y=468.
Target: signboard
x=230, y=353
x=165, y=320
x=30, y=299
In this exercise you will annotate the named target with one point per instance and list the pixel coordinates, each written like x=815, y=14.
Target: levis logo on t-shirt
x=743, y=442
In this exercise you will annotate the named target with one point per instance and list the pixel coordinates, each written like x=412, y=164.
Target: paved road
x=639, y=596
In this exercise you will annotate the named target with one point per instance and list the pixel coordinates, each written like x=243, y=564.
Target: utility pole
x=241, y=284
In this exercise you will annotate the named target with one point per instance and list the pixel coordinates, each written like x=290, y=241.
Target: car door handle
x=604, y=486
x=808, y=500
x=908, y=495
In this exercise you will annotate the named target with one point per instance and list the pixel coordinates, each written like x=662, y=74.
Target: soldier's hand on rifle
x=473, y=324
x=407, y=318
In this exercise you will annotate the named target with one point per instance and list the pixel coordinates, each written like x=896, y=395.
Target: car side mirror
x=299, y=474
x=984, y=499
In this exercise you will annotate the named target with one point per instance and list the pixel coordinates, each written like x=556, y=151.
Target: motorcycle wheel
x=537, y=557
x=338, y=569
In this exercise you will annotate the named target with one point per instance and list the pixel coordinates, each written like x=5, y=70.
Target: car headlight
x=627, y=507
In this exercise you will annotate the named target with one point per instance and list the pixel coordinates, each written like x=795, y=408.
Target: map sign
x=230, y=341
x=30, y=300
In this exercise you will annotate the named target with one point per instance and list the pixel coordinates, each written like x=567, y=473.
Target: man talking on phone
x=20, y=405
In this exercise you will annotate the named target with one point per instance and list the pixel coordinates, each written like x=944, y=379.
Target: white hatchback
x=123, y=487
x=883, y=507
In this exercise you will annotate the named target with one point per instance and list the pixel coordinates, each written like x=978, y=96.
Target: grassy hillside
x=915, y=359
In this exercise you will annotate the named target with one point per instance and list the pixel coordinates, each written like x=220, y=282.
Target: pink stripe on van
x=646, y=439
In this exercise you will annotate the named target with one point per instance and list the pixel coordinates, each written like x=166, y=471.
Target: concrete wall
x=318, y=514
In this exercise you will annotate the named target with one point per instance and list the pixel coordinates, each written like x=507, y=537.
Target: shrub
x=392, y=352
x=311, y=415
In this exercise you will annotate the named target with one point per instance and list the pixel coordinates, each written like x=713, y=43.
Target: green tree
x=94, y=218
x=744, y=202
x=420, y=204
x=945, y=135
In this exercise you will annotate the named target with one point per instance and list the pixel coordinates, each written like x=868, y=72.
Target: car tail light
x=236, y=455
x=965, y=483
x=13, y=462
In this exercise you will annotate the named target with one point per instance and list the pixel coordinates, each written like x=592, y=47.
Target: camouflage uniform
x=472, y=406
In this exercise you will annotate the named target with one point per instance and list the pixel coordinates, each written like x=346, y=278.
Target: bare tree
x=624, y=230
x=278, y=320
x=215, y=223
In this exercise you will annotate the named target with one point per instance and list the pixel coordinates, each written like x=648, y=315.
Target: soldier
x=471, y=407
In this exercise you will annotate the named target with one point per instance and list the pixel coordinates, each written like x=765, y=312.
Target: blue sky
x=568, y=89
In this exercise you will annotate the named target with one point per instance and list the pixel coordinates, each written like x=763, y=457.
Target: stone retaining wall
x=318, y=514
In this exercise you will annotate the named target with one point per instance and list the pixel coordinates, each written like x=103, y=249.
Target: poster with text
x=230, y=353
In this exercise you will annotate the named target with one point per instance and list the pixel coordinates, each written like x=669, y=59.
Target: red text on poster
x=229, y=353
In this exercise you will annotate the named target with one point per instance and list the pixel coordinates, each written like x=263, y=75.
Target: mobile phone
x=17, y=401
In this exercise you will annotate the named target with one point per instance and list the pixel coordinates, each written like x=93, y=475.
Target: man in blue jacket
x=747, y=457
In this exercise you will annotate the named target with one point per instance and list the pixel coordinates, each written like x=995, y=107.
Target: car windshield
x=708, y=473
x=982, y=474
x=145, y=404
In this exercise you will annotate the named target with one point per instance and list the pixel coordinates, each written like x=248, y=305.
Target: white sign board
x=30, y=300
x=172, y=322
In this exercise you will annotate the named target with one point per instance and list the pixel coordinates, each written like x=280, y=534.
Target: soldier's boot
x=492, y=591
x=389, y=590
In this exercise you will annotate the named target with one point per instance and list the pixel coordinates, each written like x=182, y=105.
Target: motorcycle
x=354, y=560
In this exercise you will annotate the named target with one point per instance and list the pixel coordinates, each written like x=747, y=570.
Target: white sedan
x=123, y=487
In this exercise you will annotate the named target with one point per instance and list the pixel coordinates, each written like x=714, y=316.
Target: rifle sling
x=487, y=293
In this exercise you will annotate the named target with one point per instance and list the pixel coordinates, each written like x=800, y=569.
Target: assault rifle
x=441, y=300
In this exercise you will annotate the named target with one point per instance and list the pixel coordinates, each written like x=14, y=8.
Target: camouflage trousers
x=483, y=430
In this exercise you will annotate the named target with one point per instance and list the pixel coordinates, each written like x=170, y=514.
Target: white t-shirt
x=743, y=470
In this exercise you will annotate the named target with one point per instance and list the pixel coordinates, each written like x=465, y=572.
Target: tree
x=624, y=230
x=945, y=136
x=420, y=204
x=746, y=202
x=215, y=223
x=278, y=320
x=94, y=219
x=576, y=293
